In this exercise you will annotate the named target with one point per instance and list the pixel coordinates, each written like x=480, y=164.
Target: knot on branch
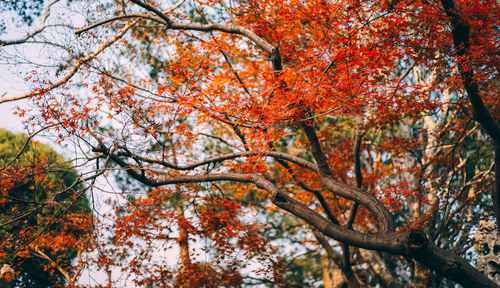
x=417, y=240
x=278, y=198
x=99, y=149
x=276, y=60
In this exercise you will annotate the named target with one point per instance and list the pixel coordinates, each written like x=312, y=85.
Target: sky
x=10, y=85
x=11, y=81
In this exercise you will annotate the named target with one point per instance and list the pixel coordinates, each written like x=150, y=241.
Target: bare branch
x=280, y=155
x=105, y=21
x=332, y=254
x=337, y=258
x=232, y=29
x=154, y=10
x=144, y=16
x=380, y=270
x=358, y=174
x=35, y=32
x=73, y=70
x=25, y=145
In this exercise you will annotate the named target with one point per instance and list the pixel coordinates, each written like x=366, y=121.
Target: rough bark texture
x=487, y=246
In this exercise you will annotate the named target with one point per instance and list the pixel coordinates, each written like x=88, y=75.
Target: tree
x=26, y=10
x=372, y=122
x=40, y=194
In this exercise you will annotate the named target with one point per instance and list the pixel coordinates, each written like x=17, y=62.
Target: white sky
x=10, y=84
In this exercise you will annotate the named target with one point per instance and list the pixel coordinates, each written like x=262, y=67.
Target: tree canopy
x=373, y=124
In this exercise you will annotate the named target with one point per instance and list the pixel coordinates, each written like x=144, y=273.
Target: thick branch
x=414, y=244
x=144, y=16
x=369, y=201
x=232, y=29
x=451, y=266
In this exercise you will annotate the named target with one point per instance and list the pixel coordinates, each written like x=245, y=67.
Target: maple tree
x=373, y=122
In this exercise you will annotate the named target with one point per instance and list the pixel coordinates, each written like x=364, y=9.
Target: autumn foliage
x=44, y=212
x=375, y=123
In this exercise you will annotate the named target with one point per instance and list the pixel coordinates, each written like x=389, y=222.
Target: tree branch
x=120, y=17
x=39, y=253
x=279, y=155
x=33, y=33
x=380, y=270
x=461, y=38
x=73, y=70
x=358, y=175
x=144, y=16
x=232, y=29
x=155, y=11
x=337, y=258
x=369, y=201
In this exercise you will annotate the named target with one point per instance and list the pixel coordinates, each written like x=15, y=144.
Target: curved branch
x=369, y=201
x=144, y=16
x=105, y=21
x=232, y=29
x=154, y=10
x=413, y=244
x=35, y=32
x=391, y=242
x=73, y=70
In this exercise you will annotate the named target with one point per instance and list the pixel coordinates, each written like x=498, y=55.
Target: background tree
x=44, y=212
